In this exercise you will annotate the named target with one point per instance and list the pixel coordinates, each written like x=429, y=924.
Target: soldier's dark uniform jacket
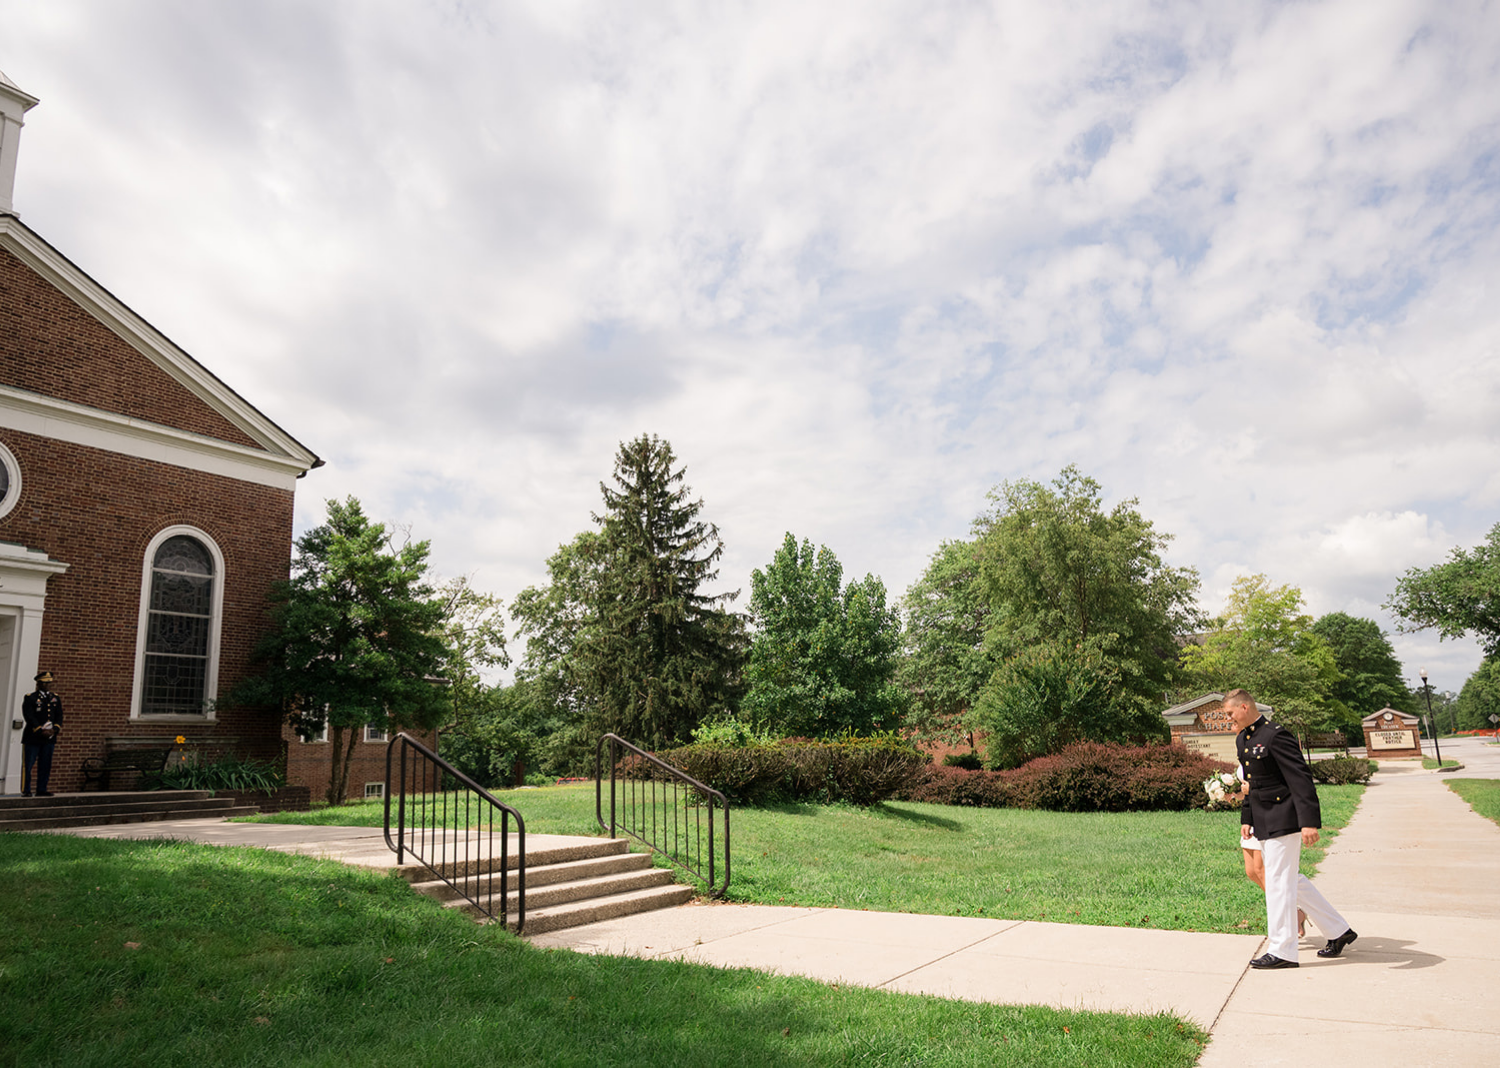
x=37, y=708
x=1282, y=798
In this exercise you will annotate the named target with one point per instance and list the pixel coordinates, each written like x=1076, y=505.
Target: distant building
x=145, y=512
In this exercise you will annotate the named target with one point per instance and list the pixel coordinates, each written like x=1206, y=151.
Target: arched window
x=177, y=653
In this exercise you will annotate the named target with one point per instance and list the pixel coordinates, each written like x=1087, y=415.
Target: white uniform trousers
x=1287, y=890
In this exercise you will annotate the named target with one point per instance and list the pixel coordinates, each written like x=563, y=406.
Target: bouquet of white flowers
x=1220, y=788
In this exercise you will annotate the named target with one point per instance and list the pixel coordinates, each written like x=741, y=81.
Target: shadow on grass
x=925, y=818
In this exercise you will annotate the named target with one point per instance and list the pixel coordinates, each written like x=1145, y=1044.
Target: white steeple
x=13, y=105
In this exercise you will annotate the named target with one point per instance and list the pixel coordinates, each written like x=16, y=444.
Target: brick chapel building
x=145, y=512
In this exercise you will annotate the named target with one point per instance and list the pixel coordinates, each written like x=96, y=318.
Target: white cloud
x=858, y=261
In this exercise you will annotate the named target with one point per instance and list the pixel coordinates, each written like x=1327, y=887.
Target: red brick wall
x=97, y=511
x=309, y=763
x=50, y=345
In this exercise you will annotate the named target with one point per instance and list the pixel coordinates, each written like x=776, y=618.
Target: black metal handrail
x=453, y=832
x=665, y=812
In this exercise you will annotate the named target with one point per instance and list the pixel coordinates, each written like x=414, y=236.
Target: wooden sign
x=1214, y=746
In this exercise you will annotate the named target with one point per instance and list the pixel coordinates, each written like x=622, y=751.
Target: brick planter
x=286, y=799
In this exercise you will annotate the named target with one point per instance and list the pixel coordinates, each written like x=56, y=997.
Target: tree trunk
x=338, y=763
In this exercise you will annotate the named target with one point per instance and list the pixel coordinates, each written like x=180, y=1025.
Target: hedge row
x=1086, y=777
x=860, y=771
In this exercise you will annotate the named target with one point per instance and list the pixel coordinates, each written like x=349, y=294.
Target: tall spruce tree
x=661, y=654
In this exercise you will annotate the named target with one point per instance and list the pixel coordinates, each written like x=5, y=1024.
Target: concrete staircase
x=582, y=882
x=120, y=806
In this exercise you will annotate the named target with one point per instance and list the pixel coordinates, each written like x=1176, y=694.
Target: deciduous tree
x=357, y=638
x=1265, y=644
x=474, y=628
x=947, y=657
x=1459, y=597
x=1058, y=568
x=823, y=657
x=1369, y=673
x=1480, y=697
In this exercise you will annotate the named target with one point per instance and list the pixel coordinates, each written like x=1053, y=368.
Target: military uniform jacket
x=37, y=708
x=1282, y=799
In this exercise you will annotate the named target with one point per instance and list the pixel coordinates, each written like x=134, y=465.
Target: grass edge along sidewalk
x=1160, y=870
x=161, y=952
x=1482, y=795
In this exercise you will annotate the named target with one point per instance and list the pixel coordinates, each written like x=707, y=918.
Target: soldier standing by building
x=43, y=713
x=1282, y=812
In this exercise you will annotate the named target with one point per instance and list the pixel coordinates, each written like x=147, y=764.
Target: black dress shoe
x=1270, y=960
x=1336, y=946
x=48, y=793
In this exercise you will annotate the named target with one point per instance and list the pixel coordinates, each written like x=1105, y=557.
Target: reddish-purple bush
x=1085, y=777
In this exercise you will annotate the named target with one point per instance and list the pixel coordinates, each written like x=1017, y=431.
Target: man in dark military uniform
x=42, y=712
x=1281, y=810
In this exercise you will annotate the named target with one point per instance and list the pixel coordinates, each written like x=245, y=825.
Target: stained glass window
x=178, y=629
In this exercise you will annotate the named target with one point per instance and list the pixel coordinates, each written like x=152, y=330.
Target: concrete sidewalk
x=1416, y=873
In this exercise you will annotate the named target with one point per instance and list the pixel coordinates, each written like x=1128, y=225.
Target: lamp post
x=1427, y=693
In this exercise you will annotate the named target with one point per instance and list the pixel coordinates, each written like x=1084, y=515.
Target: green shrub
x=731, y=732
x=860, y=771
x=967, y=761
x=227, y=772
x=1343, y=770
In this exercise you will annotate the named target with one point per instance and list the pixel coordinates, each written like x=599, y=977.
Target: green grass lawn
x=1430, y=763
x=168, y=953
x=1172, y=870
x=1483, y=795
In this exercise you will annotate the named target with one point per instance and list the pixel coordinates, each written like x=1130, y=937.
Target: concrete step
x=546, y=875
x=549, y=893
x=100, y=797
x=591, y=849
x=592, y=910
x=60, y=818
x=184, y=804
x=582, y=882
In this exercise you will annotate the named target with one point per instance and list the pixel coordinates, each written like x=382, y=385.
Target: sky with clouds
x=857, y=261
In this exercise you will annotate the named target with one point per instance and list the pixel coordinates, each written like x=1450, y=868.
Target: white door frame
x=23, y=597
